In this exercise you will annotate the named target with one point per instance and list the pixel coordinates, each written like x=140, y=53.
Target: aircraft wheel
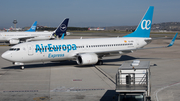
x=22, y=67
x=100, y=62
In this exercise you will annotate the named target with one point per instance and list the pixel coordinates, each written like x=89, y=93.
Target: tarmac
x=66, y=81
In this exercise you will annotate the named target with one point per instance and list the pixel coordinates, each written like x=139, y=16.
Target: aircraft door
x=137, y=44
x=86, y=47
x=30, y=49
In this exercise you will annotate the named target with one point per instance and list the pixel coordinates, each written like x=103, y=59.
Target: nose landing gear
x=22, y=67
x=19, y=63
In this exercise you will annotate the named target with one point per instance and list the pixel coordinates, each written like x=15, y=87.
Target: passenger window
x=14, y=49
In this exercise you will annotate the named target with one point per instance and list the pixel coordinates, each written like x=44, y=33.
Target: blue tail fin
x=144, y=27
x=62, y=28
x=33, y=27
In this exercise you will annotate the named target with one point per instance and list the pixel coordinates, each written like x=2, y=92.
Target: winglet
x=173, y=40
x=62, y=37
x=33, y=27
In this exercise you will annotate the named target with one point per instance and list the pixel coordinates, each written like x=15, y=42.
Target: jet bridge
x=133, y=81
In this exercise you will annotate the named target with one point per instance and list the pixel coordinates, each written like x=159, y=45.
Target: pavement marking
x=105, y=74
x=157, y=91
x=12, y=91
x=86, y=89
x=77, y=79
x=72, y=89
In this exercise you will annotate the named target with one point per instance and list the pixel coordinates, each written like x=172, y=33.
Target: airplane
x=19, y=37
x=11, y=28
x=32, y=28
x=83, y=51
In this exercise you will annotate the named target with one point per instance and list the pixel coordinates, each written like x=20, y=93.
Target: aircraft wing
x=115, y=52
x=170, y=44
x=24, y=38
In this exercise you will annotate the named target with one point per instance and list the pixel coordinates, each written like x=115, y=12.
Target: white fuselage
x=7, y=36
x=56, y=50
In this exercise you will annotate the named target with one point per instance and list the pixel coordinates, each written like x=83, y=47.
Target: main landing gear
x=100, y=62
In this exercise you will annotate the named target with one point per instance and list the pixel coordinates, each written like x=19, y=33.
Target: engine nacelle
x=14, y=41
x=87, y=59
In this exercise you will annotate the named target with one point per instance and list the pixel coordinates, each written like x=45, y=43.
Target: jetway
x=133, y=81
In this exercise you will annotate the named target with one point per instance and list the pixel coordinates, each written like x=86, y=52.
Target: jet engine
x=14, y=41
x=87, y=59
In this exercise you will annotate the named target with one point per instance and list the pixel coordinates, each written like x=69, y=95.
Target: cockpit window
x=14, y=49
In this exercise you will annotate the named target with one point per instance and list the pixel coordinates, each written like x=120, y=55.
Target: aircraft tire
x=100, y=62
x=22, y=67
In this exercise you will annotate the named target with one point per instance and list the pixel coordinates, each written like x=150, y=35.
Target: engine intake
x=87, y=59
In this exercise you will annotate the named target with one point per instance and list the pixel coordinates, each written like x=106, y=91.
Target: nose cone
x=3, y=55
x=6, y=55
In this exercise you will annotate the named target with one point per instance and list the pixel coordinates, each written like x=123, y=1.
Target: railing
x=143, y=80
x=135, y=81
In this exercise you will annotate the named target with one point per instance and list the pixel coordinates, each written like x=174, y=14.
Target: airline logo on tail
x=144, y=27
x=33, y=27
x=63, y=27
x=146, y=24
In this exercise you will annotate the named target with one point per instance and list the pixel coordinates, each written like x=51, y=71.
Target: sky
x=85, y=13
